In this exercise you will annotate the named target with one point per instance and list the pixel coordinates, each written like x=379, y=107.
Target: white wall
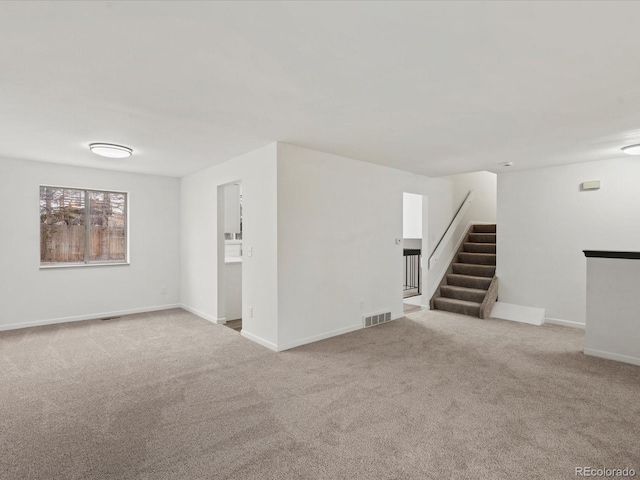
x=545, y=221
x=411, y=215
x=202, y=247
x=321, y=228
x=30, y=296
x=338, y=219
x=446, y=194
x=485, y=185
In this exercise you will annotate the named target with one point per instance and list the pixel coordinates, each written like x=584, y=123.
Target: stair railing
x=411, y=271
x=453, y=225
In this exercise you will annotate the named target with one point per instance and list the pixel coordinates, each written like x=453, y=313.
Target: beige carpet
x=170, y=396
x=408, y=308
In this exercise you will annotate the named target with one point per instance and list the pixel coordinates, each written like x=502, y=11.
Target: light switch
x=250, y=251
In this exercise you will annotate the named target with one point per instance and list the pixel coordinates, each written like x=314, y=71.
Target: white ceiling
x=433, y=88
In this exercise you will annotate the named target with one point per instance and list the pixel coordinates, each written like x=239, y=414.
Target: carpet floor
x=167, y=395
x=408, y=308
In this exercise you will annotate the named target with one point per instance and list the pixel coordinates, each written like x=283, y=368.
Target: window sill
x=83, y=265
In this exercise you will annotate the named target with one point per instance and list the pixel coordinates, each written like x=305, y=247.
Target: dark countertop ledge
x=612, y=254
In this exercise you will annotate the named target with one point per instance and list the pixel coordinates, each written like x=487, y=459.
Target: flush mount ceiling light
x=632, y=149
x=110, y=150
x=508, y=164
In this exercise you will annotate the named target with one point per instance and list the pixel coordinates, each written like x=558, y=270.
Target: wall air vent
x=374, y=319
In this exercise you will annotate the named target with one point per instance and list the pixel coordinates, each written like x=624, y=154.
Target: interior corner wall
x=446, y=194
x=32, y=296
x=545, y=222
x=485, y=185
x=199, y=249
x=338, y=219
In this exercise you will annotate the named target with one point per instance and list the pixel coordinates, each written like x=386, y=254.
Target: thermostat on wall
x=593, y=185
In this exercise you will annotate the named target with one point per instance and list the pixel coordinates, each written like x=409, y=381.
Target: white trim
x=564, y=323
x=91, y=189
x=94, y=316
x=612, y=356
x=127, y=219
x=322, y=336
x=261, y=341
x=200, y=314
x=82, y=265
x=518, y=313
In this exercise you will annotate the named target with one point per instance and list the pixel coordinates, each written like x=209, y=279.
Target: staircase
x=470, y=286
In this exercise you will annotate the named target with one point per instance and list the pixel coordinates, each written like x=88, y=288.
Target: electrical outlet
x=361, y=304
x=163, y=290
x=250, y=312
x=249, y=251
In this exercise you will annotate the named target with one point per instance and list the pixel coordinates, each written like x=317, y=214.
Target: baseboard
x=322, y=336
x=564, y=323
x=93, y=316
x=518, y=313
x=261, y=341
x=203, y=315
x=612, y=356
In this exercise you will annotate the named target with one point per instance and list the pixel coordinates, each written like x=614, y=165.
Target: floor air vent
x=376, y=319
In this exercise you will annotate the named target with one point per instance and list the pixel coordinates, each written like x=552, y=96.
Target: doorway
x=412, y=241
x=230, y=251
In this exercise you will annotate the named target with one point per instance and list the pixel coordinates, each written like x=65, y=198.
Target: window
x=79, y=226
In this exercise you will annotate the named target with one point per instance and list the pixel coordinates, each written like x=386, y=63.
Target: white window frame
x=87, y=216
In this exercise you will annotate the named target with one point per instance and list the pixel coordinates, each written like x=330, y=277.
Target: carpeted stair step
x=480, y=247
x=471, y=283
x=477, y=258
x=482, y=237
x=458, y=306
x=468, y=281
x=463, y=293
x=484, y=228
x=474, y=270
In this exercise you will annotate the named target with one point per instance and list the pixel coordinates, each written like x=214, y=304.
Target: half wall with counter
x=613, y=305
